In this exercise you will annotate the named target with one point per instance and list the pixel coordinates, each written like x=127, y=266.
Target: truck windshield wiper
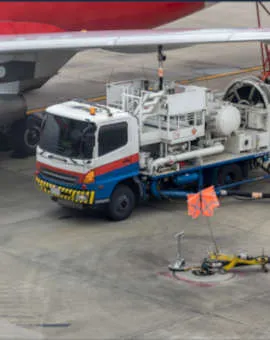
x=58, y=158
x=73, y=161
x=63, y=149
x=63, y=159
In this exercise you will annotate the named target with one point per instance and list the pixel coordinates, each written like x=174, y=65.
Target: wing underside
x=127, y=38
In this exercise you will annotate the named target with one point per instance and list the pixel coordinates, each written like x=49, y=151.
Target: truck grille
x=58, y=176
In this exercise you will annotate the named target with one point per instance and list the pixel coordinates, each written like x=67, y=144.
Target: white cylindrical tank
x=224, y=121
x=212, y=150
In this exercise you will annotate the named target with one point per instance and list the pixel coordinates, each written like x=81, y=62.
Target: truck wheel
x=230, y=174
x=121, y=204
x=25, y=137
x=4, y=142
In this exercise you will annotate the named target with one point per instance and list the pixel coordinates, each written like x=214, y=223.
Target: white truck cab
x=88, y=132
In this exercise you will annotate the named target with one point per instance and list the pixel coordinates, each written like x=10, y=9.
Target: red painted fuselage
x=42, y=17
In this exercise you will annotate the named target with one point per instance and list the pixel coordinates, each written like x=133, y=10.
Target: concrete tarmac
x=72, y=275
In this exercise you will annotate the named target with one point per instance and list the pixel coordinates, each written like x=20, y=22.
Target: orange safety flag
x=194, y=205
x=209, y=201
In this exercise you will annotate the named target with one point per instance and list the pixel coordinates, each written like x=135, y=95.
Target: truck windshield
x=68, y=137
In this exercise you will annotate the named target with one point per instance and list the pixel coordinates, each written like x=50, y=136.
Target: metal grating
x=54, y=175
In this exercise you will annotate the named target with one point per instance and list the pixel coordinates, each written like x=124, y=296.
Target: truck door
x=117, y=151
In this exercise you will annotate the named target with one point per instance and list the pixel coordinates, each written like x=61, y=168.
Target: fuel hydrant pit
x=199, y=280
x=213, y=279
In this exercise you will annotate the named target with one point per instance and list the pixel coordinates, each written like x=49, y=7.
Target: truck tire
x=229, y=174
x=121, y=204
x=25, y=137
x=4, y=142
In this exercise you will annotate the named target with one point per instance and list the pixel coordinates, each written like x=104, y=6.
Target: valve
x=180, y=262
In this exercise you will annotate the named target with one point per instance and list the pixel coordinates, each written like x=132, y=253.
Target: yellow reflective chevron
x=92, y=196
x=65, y=193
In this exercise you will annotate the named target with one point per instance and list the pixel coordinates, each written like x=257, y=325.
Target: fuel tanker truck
x=152, y=142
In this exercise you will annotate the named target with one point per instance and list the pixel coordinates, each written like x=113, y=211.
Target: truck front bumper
x=67, y=194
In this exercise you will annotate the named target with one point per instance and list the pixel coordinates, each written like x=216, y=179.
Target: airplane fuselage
x=41, y=17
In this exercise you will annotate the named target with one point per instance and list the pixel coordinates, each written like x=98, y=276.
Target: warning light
x=92, y=111
x=83, y=30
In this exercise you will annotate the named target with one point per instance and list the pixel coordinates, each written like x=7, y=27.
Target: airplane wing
x=127, y=38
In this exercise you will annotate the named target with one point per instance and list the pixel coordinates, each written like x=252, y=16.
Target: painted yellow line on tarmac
x=186, y=81
x=221, y=75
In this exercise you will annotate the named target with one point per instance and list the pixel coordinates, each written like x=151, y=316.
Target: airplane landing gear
x=4, y=142
x=18, y=132
x=25, y=134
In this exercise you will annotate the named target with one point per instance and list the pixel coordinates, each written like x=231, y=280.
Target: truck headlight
x=89, y=177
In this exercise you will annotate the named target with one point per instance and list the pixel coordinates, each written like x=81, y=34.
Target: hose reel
x=248, y=91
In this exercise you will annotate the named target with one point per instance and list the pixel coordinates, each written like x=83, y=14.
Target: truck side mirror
x=88, y=144
x=90, y=139
x=44, y=119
